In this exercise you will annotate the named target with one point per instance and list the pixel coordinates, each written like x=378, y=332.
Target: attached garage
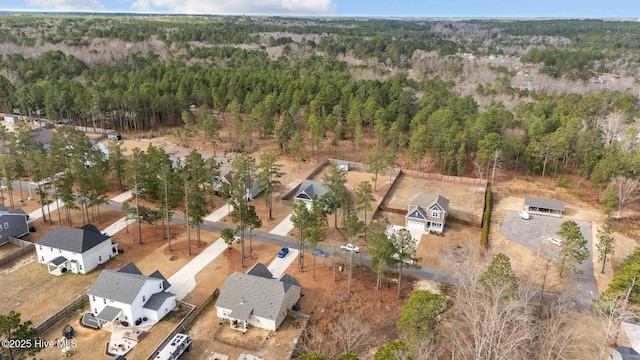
x=415, y=225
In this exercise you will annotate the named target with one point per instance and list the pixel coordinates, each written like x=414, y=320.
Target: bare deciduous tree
x=627, y=191
x=612, y=126
x=351, y=332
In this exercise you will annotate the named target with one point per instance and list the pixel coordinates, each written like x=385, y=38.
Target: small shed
x=114, y=135
x=544, y=206
x=10, y=119
x=343, y=165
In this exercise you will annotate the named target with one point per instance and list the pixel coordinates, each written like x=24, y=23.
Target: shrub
x=486, y=220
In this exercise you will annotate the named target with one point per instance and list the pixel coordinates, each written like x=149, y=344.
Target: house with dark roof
x=253, y=186
x=13, y=223
x=257, y=298
x=309, y=190
x=78, y=250
x=624, y=353
x=126, y=296
x=43, y=136
x=544, y=206
x=427, y=212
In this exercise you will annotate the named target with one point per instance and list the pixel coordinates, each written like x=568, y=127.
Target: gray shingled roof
x=3, y=209
x=544, y=203
x=425, y=200
x=108, y=313
x=122, y=285
x=312, y=188
x=627, y=353
x=72, y=239
x=263, y=296
x=259, y=269
x=156, y=300
x=158, y=275
x=130, y=268
x=57, y=261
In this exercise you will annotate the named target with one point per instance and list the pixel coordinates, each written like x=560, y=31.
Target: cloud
x=236, y=7
x=68, y=5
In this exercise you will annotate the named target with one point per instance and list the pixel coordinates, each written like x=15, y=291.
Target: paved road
x=534, y=235
x=286, y=241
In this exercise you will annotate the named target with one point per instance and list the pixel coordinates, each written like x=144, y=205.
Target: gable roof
x=259, y=269
x=5, y=211
x=418, y=213
x=158, y=275
x=72, y=239
x=627, y=353
x=253, y=187
x=425, y=200
x=156, y=300
x=544, y=203
x=122, y=285
x=246, y=294
x=311, y=188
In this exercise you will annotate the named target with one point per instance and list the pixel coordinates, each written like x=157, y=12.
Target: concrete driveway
x=534, y=235
x=279, y=265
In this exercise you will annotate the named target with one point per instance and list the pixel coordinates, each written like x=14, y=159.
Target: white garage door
x=415, y=225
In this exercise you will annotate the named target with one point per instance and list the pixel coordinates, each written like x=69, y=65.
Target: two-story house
x=13, y=223
x=127, y=296
x=78, y=250
x=427, y=212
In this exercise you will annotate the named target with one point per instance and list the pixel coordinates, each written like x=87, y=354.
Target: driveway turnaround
x=534, y=234
x=284, y=227
x=184, y=280
x=279, y=265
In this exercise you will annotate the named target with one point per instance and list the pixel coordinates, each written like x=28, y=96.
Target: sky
x=365, y=8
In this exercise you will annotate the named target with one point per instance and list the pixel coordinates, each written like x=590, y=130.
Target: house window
x=93, y=298
x=435, y=214
x=104, y=301
x=51, y=249
x=126, y=318
x=95, y=311
x=60, y=251
x=160, y=286
x=42, y=258
x=40, y=246
x=80, y=267
x=99, y=258
x=144, y=298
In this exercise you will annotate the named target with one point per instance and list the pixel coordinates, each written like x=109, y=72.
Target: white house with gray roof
x=78, y=250
x=257, y=298
x=310, y=190
x=126, y=295
x=13, y=223
x=427, y=212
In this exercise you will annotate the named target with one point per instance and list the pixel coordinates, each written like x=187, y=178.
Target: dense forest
x=424, y=87
x=546, y=98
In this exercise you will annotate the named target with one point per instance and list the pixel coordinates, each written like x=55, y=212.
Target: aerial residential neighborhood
x=266, y=187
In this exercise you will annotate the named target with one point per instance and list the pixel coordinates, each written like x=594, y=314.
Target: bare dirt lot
x=465, y=202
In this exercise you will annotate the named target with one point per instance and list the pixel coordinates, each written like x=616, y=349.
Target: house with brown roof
x=427, y=212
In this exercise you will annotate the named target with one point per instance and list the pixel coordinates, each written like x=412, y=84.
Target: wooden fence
x=454, y=179
x=449, y=217
x=46, y=324
x=26, y=247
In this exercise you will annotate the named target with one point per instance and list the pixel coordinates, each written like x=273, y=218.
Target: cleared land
x=465, y=201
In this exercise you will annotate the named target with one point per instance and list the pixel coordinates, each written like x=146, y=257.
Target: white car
x=555, y=240
x=350, y=247
x=524, y=215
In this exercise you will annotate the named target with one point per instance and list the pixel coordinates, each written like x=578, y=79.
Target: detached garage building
x=544, y=206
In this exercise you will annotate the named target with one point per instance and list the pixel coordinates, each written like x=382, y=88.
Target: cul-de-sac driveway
x=534, y=235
